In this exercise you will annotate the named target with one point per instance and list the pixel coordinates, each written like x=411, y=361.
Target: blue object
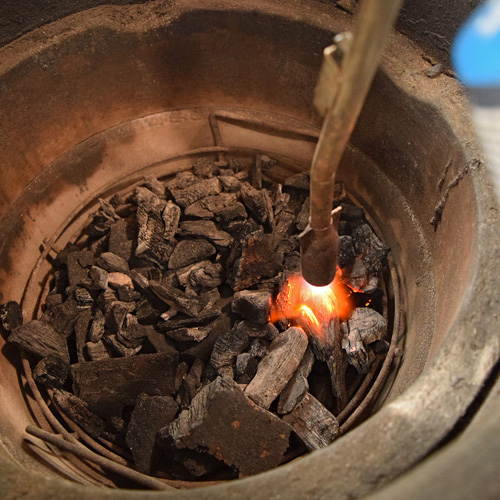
x=476, y=51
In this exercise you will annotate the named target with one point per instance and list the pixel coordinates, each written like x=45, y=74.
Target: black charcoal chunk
x=187, y=196
x=253, y=305
x=51, y=371
x=187, y=252
x=112, y=263
x=11, y=316
x=208, y=230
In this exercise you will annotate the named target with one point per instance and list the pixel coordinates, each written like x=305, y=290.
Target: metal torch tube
x=374, y=22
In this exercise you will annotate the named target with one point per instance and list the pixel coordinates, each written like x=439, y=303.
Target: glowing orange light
x=306, y=311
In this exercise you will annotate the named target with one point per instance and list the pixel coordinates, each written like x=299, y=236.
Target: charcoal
x=11, y=316
x=292, y=262
x=63, y=316
x=211, y=206
x=254, y=201
x=40, y=339
x=83, y=298
x=119, y=280
x=203, y=349
x=259, y=259
x=380, y=346
x=182, y=180
x=96, y=351
x=347, y=254
x=124, y=210
x=107, y=386
x=269, y=209
x=208, y=275
x=52, y=300
x=96, y=330
x=99, y=226
x=116, y=200
x=193, y=334
x=299, y=181
x=187, y=196
x=140, y=281
x=122, y=238
x=197, y=464
x=116, y=316
x=155, y=186
x=192, y=306
x=77, y=266
x=143, y=195
x=357, y=275
x=302, y=219
x=229, y=183
x=147, y=314
x=159, y=342
x=208, y=230
x=133, y=335
x=99, y=277
x=227, y=347
x=253, y=330
x=297, y=386
x=181, y=374
x=205, y=168
x=253, y=305
x=151, y=244
x=119, y=347
x=79, y=412
x=285, y=220
x=351, y=213
x=313, y=423
x=171, y=215
x=188, y=252
x=370, y=248
x=277, y=367
x=150, y=415
x=235, y=211
x=245, y=368
x=51, y=372
x=191, y=383
x=258, y=348
x=224, y=422
x=256, y=173
x=126, y=293
x=112, y=263
x=81, y=332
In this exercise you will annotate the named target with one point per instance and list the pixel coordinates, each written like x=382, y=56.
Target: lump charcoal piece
x=184, y=272
x=126, y=293
x=119, y=347
x=211, y=206
x=285, y=220
x=40, y=339
x=298, y=385
x=187, y=196
x=155, y=186
x=151, y=244
x=118, y=280
x=207, y=276
x=205, y=168
x=182, y=180
x=159, y=342
x=107, y=386
x=133, y=334
x=192, y=306
x=143, y=195
x=234, y=212
x=277, y=367
x=96, y=351
x=63, y=316
x=171, y=215
x=292, y=262
x=313, y=423
x=302, y=220
x=112, y=263
x=191, y=382
x=299, y=181
x=233, y=430
x=254, y=201
x=357, y=275
x=256, y=173
x=259, y=259
x=81, y=332
x=253, y=330
x=193, y=334
x=77, y=266
x=96, y=330
x=51, y=372
x=150, y=415
x=123, y=237
x=116, y=316
x=229, y=183
x=351, y=213
x=208, y=230
x=196, y=463
x=79, y=412
x=83, y=298
x=227, y=347
x=253, y=305
x=188, y=252
x=347, y=254
x=11, y=316
x=370, y=248
x=99, y=277
x=203, y=350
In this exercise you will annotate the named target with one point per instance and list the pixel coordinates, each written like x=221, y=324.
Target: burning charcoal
x=79, y=412
x=207, y=229
x=229, y=426
x=347, y=255
x=122, y=238
x=112, y=263
x=107, y=386
x=119, y=280
x=11, y=316
x=205, y=168
x=173, y=297
x=83, y=298
x=372, y=250
x=302, y=219
x=151, y=413
x=77, y=263
x=363, y=328
x=357, y=276
x=81, y=330
x=193, y=334
x=254, y=201
x=188, y=252
x=229, y=183
x=313, y=423
x=40, y=339
x=187, y=196
x=203, y=350
x=99, y=277
x=208, y=207
x=171, y=215
x=298, y=386
x=155, y=186
x=51, y=372
x=207, y=276
x=299, y=181
x=96, y=330
x=151, y=244
x=126, y=293
x=253, y=305
x=277, y=367
x=351, y=213
x=267, y=331
x=259, y=259
x=227, y=347
x=96, y=351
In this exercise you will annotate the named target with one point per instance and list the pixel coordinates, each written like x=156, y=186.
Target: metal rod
x=374, y=23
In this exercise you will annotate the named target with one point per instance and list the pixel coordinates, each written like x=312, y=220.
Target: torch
x=349, y=66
